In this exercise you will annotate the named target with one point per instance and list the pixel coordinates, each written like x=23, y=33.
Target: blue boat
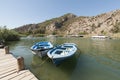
x=41, y=48
x=62, y=52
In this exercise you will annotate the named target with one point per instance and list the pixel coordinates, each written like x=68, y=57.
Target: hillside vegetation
x=70, y=24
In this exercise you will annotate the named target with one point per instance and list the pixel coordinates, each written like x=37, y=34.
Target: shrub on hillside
x=116, y=28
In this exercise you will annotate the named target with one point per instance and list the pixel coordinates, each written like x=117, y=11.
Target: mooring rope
x=26, y=67
x=44, y=61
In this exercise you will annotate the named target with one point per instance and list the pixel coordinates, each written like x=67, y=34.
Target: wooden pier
x=12, y=68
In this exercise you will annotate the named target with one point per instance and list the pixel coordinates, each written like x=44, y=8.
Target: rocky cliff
x=70, y=24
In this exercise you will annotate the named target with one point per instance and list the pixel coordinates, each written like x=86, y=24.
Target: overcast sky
x=15, y=13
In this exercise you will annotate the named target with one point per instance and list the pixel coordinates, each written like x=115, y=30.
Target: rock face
x=70, y=24
x=100, y=24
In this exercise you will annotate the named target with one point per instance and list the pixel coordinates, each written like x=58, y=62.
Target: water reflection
x=88, y=68
x=45, y=66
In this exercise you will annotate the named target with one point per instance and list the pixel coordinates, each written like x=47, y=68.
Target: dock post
x=6, y=50
x=20, y=62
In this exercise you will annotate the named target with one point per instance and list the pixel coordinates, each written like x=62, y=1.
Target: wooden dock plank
x=5, y=56
x=2, y=51
x=20, y=77
x=12, y=76
x=28, y=77
x=7, y=60
x=8, y=73
x=7, y=63
x=9, y=68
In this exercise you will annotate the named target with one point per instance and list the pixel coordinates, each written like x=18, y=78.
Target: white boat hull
x=62, y=52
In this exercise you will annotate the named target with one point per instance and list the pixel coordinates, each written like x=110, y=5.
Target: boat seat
x=64, y=53
x=68, y=49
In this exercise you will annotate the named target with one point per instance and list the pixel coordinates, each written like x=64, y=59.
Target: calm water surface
x=96, y=59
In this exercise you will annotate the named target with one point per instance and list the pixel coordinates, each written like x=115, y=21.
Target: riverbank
x=117, y=35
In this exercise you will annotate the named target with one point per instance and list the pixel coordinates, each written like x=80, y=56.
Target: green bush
x=83, y=33
x=40, y=35
x=8, y=35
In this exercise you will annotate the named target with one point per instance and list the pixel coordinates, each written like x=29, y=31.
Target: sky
x=15, y=13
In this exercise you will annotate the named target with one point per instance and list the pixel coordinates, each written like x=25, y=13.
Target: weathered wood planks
x=12, y=68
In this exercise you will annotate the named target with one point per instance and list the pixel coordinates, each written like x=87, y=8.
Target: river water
x=94, y=60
